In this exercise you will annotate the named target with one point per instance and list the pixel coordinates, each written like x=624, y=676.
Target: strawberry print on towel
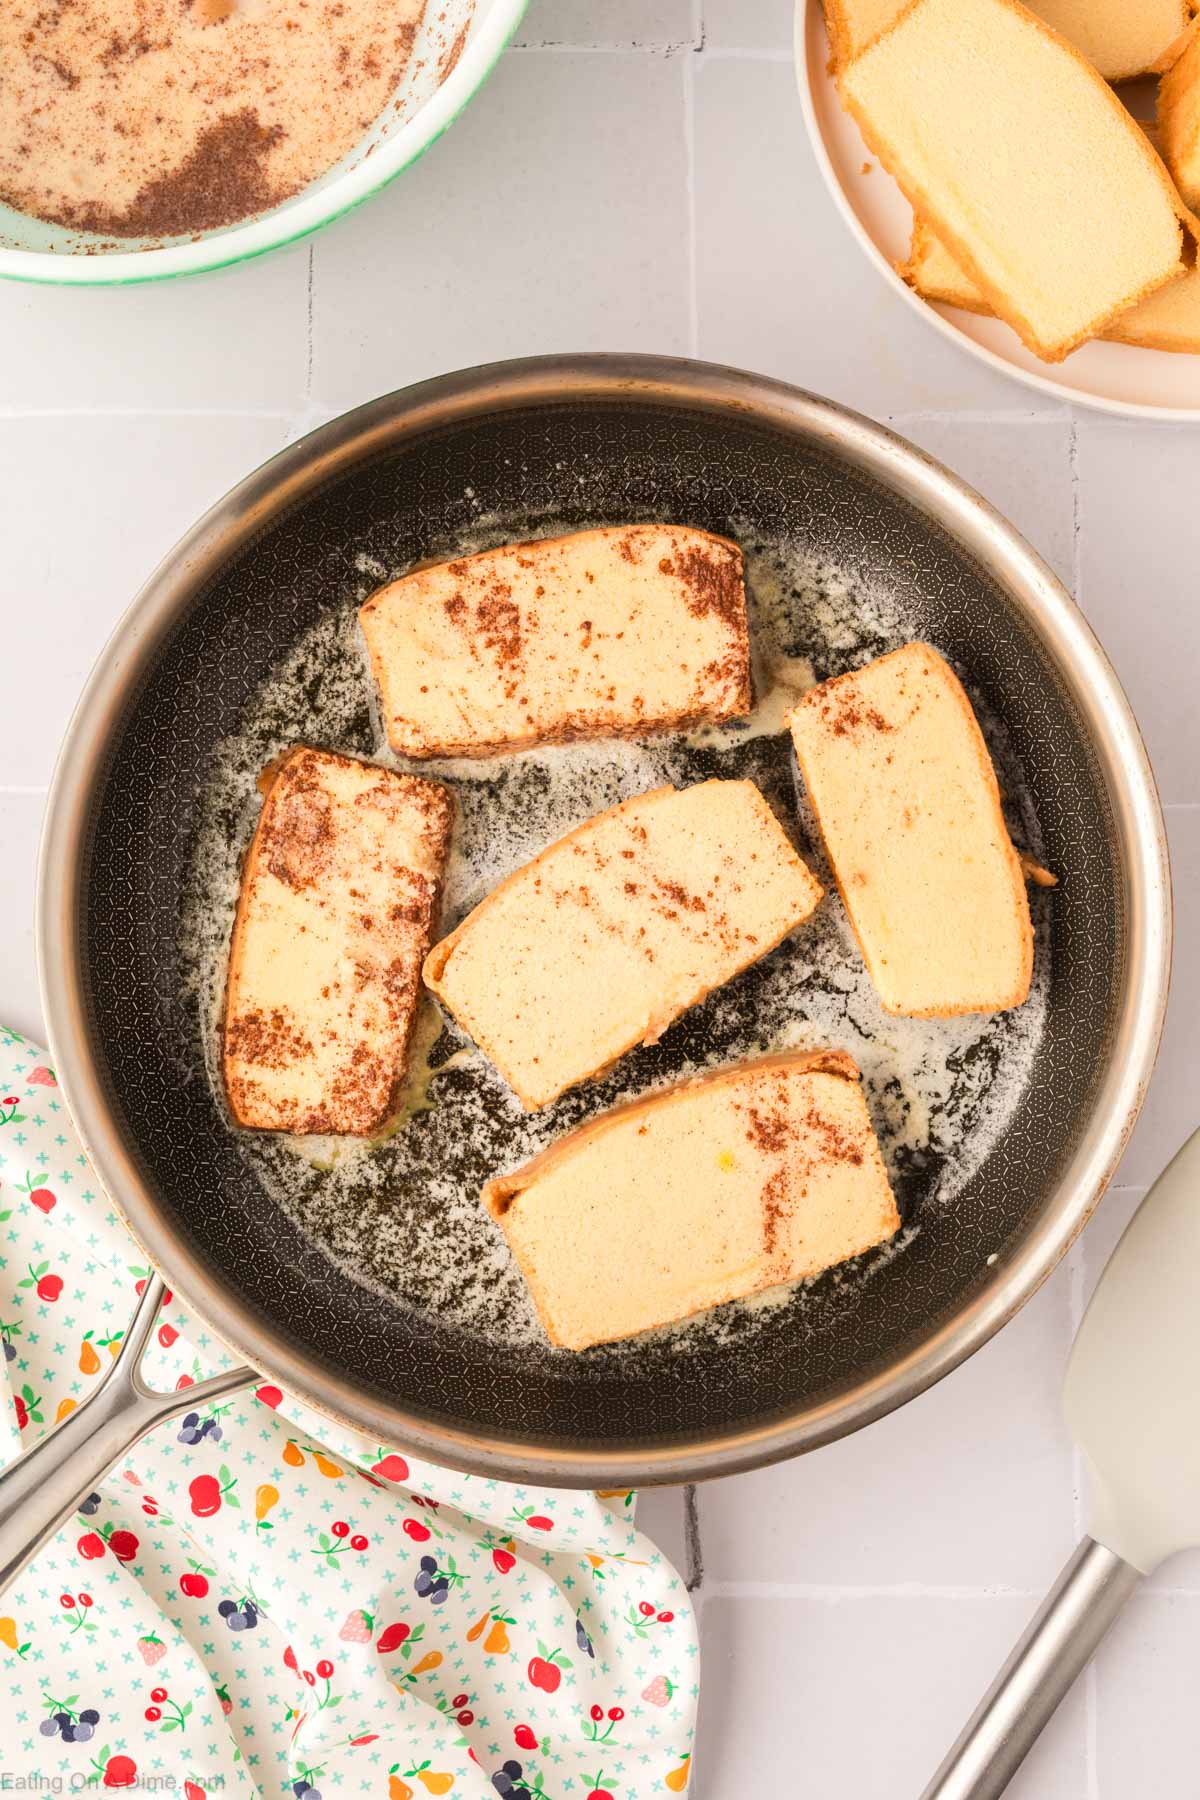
x=258, y=1601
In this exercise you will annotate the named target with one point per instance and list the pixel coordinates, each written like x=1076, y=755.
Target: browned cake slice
x=904, y=789
x=757, y=1175
x=337, y=909
x=611, y=933
x=619, y=632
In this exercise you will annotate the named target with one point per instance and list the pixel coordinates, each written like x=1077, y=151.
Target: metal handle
x=46, y=1485
x=1057, y=1645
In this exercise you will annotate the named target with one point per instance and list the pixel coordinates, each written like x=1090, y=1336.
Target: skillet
x=376, y=1295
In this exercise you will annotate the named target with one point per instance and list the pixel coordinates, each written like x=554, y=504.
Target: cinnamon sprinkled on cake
x=713, y=583
x=845, y=711
x=339, y=899
x=562, y=639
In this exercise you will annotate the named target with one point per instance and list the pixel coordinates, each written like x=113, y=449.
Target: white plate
x=1155, y=384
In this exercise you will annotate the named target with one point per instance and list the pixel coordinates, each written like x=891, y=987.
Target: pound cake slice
x=1012, y=147
x=1168, y=319
x=607, y=936
x=933, y=273
x=906, y=796
x=1120, y=40
x=337, y=909
x=620, y=632
x=757, y=1175
x=1179, y=118
x=853, y=23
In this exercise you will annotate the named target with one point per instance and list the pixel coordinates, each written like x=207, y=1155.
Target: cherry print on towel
x=256, y=1533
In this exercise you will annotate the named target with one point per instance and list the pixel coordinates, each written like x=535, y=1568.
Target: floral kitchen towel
x=259, y=1601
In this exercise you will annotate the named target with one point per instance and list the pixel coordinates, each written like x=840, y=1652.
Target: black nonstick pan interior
x=382, y=1268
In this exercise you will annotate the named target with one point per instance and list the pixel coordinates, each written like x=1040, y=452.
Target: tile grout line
x=964, y=416
x=1075, y=1279
x=689, y=145
x=1076, y=516
x=731, y=53
x=1076, y=1272
x=308, y=366
x=16, y=413
x=901, y=1590
x=834, y=1595
x=664, y=47
x=1091, y=1730
x=658, y=47
x=694, y=1573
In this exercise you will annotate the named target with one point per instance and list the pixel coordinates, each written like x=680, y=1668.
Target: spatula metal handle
x=1057, y=1645
x=41, y=1490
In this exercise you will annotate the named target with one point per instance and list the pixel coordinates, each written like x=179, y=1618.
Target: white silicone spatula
x=1133, y=1405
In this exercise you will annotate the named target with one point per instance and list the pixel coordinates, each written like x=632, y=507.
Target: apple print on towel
x=259, y=1601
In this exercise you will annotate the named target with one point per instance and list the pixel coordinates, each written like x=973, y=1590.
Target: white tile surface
x=20, y=823
x=748, y=24
x=859, y=1697
x=650, y=24
x=780, y=286
x=913, y=1502
x=1148, y=1726
x=1103, y=1235
x=515, y=234
x=1138, y=580
x=1172, y=1109
x=662, y=1515
x=78, y=545
x=237, y=340
x=646, y=194
x=1022, y=465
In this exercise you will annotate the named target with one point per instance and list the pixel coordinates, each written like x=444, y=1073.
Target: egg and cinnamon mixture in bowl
x=143, y=139
x=136, y=118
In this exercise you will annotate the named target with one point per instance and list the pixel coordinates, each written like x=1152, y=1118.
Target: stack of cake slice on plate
x=1036, y=195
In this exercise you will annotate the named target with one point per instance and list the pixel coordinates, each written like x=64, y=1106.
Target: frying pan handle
x=1058, y=1643
x=46, y=1485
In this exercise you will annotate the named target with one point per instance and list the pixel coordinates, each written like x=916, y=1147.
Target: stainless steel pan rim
x=1046, y=606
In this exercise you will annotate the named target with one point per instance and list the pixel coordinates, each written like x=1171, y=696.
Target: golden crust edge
x=909, y=272
x=1177, y=154
x=591, y=733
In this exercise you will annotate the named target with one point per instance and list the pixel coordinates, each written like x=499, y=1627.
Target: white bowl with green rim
x=416, y=115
